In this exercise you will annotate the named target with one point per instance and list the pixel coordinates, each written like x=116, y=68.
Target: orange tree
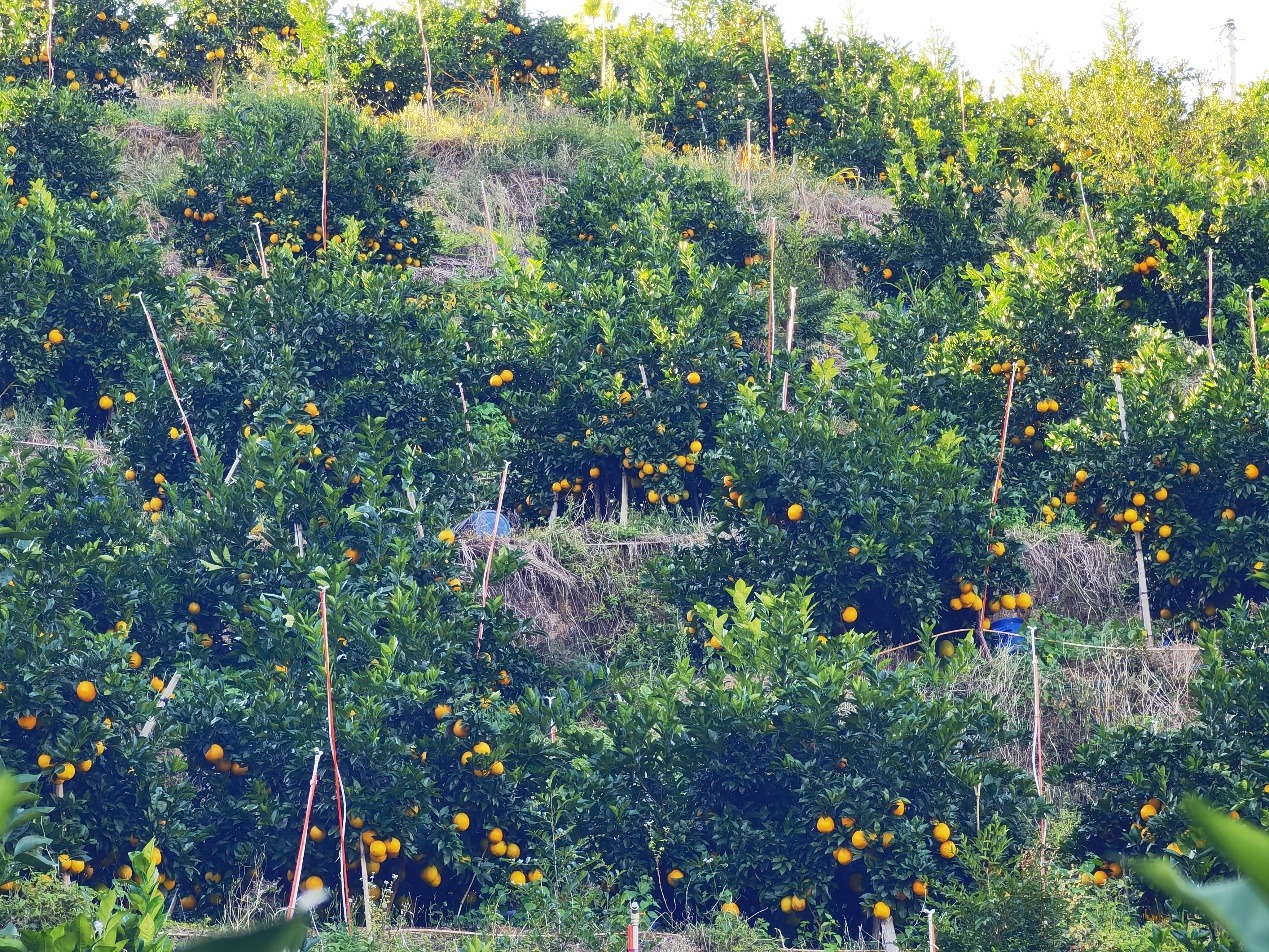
x=855, y=490
x=440, y=732
x=98, y=47
x=71, y=325
x=205, y=42
x=262, y=170
x=617, y=356
x=50, y=135
x=1187, y=480
x=1135, y=777
x=75, y=692
x=1163, y=228
x=800, y=773
x=695, y=80
x=380, y=53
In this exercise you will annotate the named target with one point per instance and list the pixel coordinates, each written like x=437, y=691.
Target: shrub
x=863, y=496
x=623, y=357
x=1009, y=901
x=206, y=42
x=1135, y=777
x=471, y=45
x=774, y=770
x=72, y=326
x=98, y=45
x=51, y=136
x=262, y=169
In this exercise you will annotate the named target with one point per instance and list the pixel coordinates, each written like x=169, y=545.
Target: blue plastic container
x=1007, y=634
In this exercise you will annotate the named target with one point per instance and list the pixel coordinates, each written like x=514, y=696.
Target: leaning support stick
x=308, y=818
x=1143, y=590
x=493, y=541
x=340, y=805
x=171, y=383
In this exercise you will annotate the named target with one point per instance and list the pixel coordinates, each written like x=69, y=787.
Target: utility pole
x=1228, y=30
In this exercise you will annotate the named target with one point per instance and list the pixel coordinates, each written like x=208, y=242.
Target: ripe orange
x=27, y=722
x=105, y=402
x=941, y=833
x=314, y=883
x=825, y=824
x=850, y=614
x=881, y=911
x=693, y=378
x=462, y=821
x=86, y=691
x=859, y=840
x=920, y=889
x=1252, y=471
x=795, y=512
x=948, y=850
x=64, y=772
x=729, y=909
x=674, y=877
x=214, y=754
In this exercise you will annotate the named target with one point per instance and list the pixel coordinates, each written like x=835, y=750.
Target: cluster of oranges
x=215, y=756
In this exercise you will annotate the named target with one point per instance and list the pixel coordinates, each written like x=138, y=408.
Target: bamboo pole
x=771, y=296
x=325, y=156
x=167, y=372
x=484, y=199
x=164, y=696
x=308, y=818
x=365, y=883
x=1211, y=307
x=766, y=60
x=427, y=61
x=749, y=161
x=493, y=541
x=788, y=345
x=979, y=636
x=341, y=806
x=1037, y=738
x=1251, y=326
x=960, y=91
x=48, y=42
x=1143, y=590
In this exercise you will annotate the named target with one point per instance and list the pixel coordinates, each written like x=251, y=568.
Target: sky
x=987, y=33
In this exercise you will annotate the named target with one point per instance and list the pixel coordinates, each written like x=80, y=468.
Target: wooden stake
x=1143, y=591
x=325, y=158
x=308, y=818
x=979, y=635
x=766, y=60
x=52, y=14
x=771, y=297
x=625, y=495
x=1251, y=324
x=341, y=807
x=365, y=883
x=749, y=161
x=960, y=91
x=167, y=372
x=493, y=541
x=427, y=60
x=166, y=695
x=1037, y=735
x=788, y=344
x=1211, y=307
x=484, y=198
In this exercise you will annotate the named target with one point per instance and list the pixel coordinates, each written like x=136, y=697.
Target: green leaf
x=1244, y=846
x=1233, y=903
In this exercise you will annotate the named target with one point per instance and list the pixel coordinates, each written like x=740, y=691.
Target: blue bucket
x=483, y=523
x=1007, y=634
